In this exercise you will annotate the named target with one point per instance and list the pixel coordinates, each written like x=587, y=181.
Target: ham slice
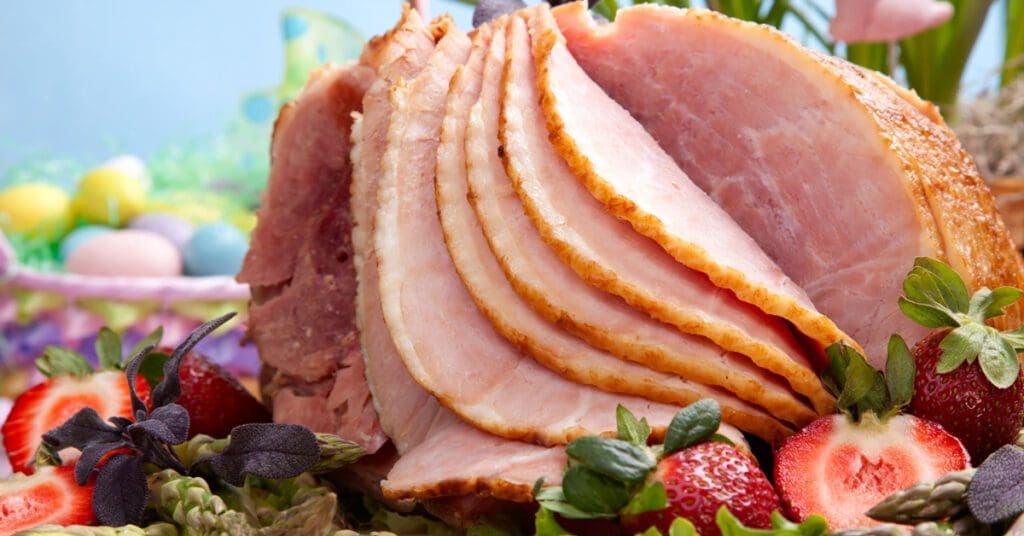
x=474, y=147
x=299, y=265
x=447, y=345
x=586, y=238
x=645, y=187
x=840, y=178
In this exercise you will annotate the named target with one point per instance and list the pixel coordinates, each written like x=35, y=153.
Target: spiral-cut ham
x=838, y=175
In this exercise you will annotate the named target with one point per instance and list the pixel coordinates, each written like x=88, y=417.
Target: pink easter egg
x=127, y=253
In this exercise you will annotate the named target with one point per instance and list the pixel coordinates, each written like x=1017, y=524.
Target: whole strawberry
x=214, y=399
x=701, y=479
x=968, y=374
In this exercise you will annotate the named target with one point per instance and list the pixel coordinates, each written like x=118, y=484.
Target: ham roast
x=478, y=246
x=840, y=178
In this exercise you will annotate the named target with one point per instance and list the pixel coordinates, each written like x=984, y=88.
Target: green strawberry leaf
x=614, y=458
x=682, y=527
x=108, y=349
x=693, y=424
x=651, y=497
x=962, y=344
x=545, y=525
x=553, y=499
x=56, y=361
x=998, y=359
x=730, y=526
x=153, y=339
x=900, y=372
x=1015, y=338
x=860, y=387
x=630, y=429
x=987, y=303
x=152, y=367
x=934, y=294
x=593, y=492
x=926, y=316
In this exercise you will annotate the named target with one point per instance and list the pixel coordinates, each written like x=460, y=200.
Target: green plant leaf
x=987, y=303
x=860, y=379
x=650, y=497
x=545, y=525
x=153, y=339
x=682, y=527
x=108, y=349
x=926, y=316
x=998, y=359
x=730, y=526
x=593, y=492
x=934, y=294
x=693, y=424
x=553, y=498
x=615, y=458
x=834, y=377
x=152, y=367
x=630, y=429
x=900, y=372
x=1015, y=338
x=57, y=361
x=962, y=344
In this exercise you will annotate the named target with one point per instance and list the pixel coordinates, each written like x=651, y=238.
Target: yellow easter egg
x=108, y=196
x=35, y=210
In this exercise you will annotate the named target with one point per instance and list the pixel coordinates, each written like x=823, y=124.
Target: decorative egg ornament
x=132, y=166
x=127, y=253
x=107, y=196
x=175, y=229
x=215, y=249
x=35, y=210
x=79, y=236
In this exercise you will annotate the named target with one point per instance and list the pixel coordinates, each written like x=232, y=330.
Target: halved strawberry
x=49, y=404
x=50, y=496
x=840, y=469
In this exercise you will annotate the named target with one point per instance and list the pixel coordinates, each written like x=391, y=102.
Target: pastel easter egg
x=127, y=253
x=215, y=249
x=36, y=210
x=132, y=166
x=177, y=230
x=79, y=236
x=108, y=196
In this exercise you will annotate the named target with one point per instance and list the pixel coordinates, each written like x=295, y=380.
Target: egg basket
x=40, y=308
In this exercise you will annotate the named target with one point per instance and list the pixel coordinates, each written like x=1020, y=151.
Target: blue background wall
x=87, y=78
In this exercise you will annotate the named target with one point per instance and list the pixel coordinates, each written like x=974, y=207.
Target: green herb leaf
x=998, y=359
x=615, y=458
x=553, y=498
x=933, y=284
x=57, y=361
x=545, y=525
x=630, y=429
x=693, y=424
x=730, y=526
x=651, y=497
x=962, y=344
x=108, y=349
x=996, y=492
x=900, y=372
x=987, y=303
x=682, y=527
x=593, y=492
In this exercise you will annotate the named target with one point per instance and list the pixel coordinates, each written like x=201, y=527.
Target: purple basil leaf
x=996, y=492
x=138, y=406
x=266, y=450
x=91, y=456
x=488, y=10
x=168, y=390
x=83, y=429
x=167, y=424
x=121, y=491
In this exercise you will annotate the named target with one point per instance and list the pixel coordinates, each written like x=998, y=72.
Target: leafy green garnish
x=629, y=428
x=860, y=388
x=614, y=458
x=545, y=525
x=693, y=424
x=730, y=526
x=57, y=361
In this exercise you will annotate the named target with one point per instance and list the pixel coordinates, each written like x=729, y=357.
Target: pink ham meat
x=299, y=265
x=447, y=345
x=586, y=238
x=476, y=149
x=645, y=187
x=840, y=178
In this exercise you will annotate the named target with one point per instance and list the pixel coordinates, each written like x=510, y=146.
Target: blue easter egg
x=80, y=236
x=215, y=249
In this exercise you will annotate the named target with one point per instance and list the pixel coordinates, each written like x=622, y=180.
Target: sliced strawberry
x=839, y=469
x=215, y=401
x=47, y=405
x=50, y=496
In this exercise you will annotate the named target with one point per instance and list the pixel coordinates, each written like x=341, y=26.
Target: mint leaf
x=987, y=303
x=651, y=497
x=962, y=344
x=730, y=526
x=682, y=527
x=996, y=492
x=545, y=525
x=615, y=458
x=900, y=372
x=57, y=361
x=998, y=359
x=108, y=349
x=593, y=492
x=630, y=429
x=693, y=424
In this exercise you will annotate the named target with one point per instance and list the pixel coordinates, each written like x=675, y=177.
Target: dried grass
x=992, y=130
